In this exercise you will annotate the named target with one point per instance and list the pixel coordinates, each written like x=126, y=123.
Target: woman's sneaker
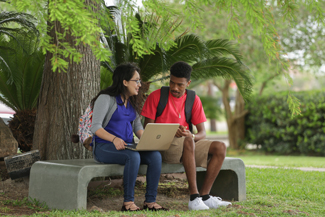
x=197, y=204
x=215, y=202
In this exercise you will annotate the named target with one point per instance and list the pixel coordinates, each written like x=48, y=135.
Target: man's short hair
x=181, y=70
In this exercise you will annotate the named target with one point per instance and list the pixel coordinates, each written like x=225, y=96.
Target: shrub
x=269, y=123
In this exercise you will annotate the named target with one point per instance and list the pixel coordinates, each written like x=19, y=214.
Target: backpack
x=84, y=134
x=164, y=93
x=85, y=124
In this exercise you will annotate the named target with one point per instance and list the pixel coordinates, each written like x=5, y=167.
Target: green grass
x=270, y=192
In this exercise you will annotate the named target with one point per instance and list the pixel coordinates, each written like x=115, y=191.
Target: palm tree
x=24, y=68
x=209, y=59
x=12, y=25
x=120, y=43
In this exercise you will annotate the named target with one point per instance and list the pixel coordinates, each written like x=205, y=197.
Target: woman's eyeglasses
x=137, y=81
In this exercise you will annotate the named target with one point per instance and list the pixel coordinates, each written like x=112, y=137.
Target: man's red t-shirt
x=170, y=113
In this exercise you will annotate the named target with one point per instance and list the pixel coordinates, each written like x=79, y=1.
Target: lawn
x=270, y=192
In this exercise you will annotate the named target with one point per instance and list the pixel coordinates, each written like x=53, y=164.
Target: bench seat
x=62, y=184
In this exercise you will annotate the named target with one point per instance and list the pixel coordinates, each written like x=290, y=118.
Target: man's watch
x=193, y=136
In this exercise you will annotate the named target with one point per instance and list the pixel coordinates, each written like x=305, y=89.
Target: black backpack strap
x=164, y=92
x=188, y=104
x=188, y=107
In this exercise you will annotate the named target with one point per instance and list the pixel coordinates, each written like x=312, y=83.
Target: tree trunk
x=240, y=118
x=213, y=123
x=229, y=115
x=63, y=98
x=232, y=133
x=235, y=120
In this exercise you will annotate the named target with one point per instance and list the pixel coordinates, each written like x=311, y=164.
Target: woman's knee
x=134, y=157
x=154, y=157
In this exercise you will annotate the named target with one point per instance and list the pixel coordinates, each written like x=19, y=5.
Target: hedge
x=270, y=125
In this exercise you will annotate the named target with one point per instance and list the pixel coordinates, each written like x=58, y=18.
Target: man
x=190, y=149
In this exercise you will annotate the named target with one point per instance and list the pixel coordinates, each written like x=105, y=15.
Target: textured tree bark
x=63, y=98
x=213, y=123
x=229, y=115
x=240, y=113
x=236, y=119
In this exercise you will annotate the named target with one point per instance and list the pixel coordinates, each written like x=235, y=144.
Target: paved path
x=221, y=138
x=296, y=168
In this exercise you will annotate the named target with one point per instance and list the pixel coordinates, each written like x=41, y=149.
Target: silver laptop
x=156, y=137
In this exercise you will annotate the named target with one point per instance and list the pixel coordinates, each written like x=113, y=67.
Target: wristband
x=113, y=139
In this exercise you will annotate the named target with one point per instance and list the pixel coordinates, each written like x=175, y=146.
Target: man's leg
x=188, y=160
x=217, y=151
x=189, y=164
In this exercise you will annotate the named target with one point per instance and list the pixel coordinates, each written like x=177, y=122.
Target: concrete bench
x=62, y=184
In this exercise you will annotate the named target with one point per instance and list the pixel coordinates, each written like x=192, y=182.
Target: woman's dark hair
x=123, y=72
x=181, y=70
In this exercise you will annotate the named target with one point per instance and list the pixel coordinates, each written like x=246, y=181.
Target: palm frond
x=3, y=62
x=153, y=64
x=227, y=68
x=26, y=70
x=189, y=48
x=23, y=19
x=7, y=92
x=222, y=47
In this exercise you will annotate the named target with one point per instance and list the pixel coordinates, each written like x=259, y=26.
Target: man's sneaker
x=215, y=202
x=197, y=204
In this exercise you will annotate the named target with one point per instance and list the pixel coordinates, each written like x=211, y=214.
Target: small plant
x=5, y=209
x=6, y=202
x=102, y=192
x=32, y=204
x=36, y=204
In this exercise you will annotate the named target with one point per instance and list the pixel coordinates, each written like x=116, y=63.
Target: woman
x=115, y=117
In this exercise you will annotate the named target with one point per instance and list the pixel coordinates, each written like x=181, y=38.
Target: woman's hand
x=119, y=143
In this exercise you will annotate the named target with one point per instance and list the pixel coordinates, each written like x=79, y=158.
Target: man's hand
x=182, y=131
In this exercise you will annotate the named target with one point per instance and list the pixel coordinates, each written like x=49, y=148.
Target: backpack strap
x=164, y=93
x=188, y=108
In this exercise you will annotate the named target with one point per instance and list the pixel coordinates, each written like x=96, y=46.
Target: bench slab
x=62, y=184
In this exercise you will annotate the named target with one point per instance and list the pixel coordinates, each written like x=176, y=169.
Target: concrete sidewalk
x=295, y=168
x=221, y=138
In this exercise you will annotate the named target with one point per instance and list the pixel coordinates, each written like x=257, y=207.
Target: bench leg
x=59, y=188
x=227, y=185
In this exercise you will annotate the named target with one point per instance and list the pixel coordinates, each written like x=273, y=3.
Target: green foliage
x=20, y=83
x=81, y=21
x=270, y=124
x=211, y=107
x=75, y=18
x=212, y=58
x=32, y=204
x=13, y=24
x=106, y=78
